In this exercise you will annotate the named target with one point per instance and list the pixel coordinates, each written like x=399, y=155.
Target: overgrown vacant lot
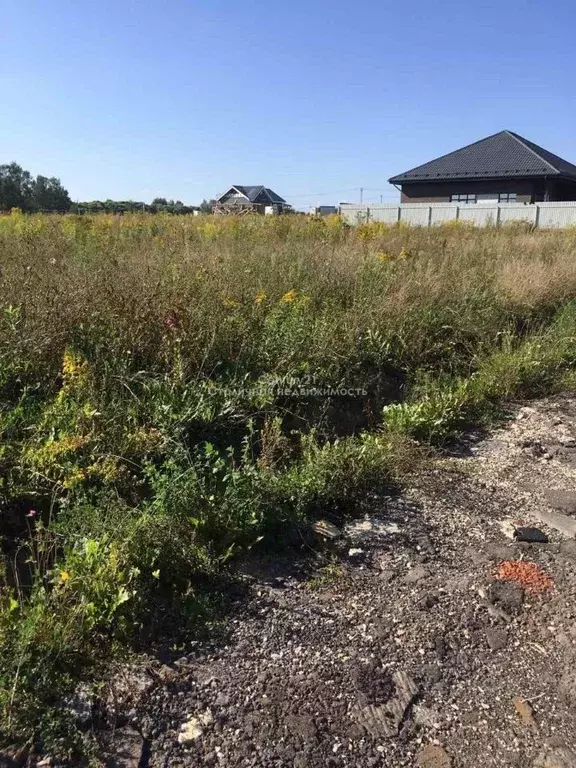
x=175, y=390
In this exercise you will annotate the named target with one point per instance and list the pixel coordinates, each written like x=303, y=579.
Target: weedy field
x=177, y=390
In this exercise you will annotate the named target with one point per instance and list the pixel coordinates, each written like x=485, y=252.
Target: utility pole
x=361, y=194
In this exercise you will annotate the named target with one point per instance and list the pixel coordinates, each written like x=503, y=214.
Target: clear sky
x=133, y=99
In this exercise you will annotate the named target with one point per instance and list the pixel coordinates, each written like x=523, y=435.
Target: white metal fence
x=482, y=214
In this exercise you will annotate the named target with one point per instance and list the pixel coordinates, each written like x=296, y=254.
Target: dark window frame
x=468, y=198
x=507, y=197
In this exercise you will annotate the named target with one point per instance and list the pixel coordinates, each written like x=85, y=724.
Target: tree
x=207, y=206
x=50, y=195
x=15, y=187
x=19, y=190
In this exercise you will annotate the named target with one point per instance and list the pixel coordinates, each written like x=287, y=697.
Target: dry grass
x=144, y=363
x=134, y=277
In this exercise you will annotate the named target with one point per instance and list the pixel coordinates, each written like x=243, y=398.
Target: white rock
x=355, y=552
x=370, y=527
x=507, y=527
x=193, y=728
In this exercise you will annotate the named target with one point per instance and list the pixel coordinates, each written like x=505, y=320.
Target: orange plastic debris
x=529, y=575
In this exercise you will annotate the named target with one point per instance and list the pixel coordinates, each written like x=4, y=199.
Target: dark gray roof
x=503, y=155
x=253, y=192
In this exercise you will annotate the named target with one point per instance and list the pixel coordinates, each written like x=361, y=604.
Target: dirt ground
x=433, y=638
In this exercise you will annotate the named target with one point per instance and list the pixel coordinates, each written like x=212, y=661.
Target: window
x=463, y=198
x=507, y=197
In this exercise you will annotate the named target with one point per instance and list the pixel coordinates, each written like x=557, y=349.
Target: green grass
x=177, y=391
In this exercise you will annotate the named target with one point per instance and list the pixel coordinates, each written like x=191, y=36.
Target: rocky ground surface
x=422, y=643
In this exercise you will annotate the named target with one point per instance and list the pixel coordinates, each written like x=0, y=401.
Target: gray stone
x=416, y=574
x=567, y=685
x=432, y=673
x=222, y=700
x=563, y=523
x=568, y=547
x=125, y=749
x=499, y=552
x=497, y=638
x=386, y=576
x=425, y=717
x=433, y=756
x=563, y=500
x=386, y=719
x=303, y=727
x=561, y=757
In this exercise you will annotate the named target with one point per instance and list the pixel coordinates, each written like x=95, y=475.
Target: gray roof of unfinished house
x=503, y=155
x=253, y=192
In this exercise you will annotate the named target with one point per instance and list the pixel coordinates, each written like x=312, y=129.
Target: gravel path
x=406, y=649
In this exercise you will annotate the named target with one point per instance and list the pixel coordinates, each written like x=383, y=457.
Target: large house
x=242, y=199
x=501, y=168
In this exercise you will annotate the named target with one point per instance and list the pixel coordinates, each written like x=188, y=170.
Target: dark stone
x=371, y=685
x=533, y=535
x=124, y=748
x=497, y=638
x=427, y=602
x=509, y=595
x=302, y=727
x=440, y=647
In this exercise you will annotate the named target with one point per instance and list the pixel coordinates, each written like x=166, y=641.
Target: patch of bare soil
x=438, y=639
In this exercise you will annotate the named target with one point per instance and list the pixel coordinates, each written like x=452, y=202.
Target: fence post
x=399, y=213
x=429, y=215
x=367, y=213
x=457, y=212
x=537, y=215
x=497, y=214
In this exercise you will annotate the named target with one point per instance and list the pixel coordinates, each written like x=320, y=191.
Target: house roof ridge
x=523, y=141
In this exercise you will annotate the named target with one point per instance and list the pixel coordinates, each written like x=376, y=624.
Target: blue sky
x=131, y=99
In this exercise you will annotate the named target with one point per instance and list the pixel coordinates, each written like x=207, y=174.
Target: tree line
x=158, y=205
x=19, y=189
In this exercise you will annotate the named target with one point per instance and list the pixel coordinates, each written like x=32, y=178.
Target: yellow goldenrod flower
x=260, y=298
x=384, y=257
x=74, y=367
x=290, y=296
x=230, y=303
x=64, y=576
x=404, y=254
